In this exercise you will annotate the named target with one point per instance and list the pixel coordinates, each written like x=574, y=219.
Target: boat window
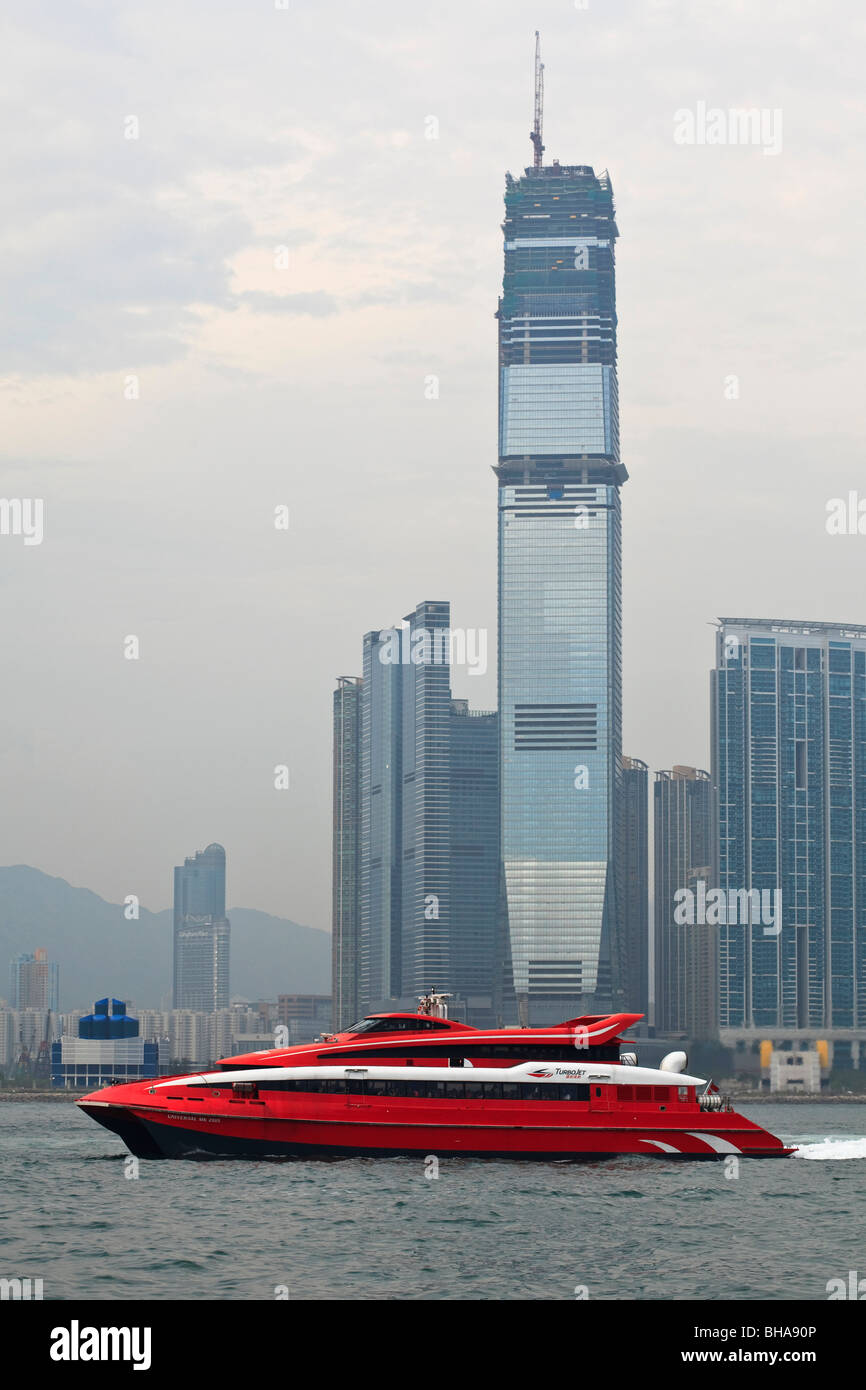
x=574, y=1092
x=531, y=1050
x=395, y=1025
x=412, y=1089
x=246, y=1090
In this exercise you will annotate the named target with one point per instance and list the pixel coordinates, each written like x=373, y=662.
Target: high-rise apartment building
x=789, y=760
x=426, y=918
x=686, y=945
x=559, y=478
x=380, y=886
x=474, y=857
x=419, y=874
x=346, y=845
x=635, y=886
x=34, y=982
x=202, y=932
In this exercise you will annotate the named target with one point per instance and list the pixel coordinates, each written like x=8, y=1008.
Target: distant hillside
x=100, y=952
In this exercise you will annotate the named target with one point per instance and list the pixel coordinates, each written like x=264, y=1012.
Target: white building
x=795, y=1072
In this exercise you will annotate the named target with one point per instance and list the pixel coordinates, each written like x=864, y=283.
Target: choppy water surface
x=378, y=1228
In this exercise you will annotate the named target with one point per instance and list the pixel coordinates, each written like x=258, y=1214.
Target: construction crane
x=42, y=1066
x=535, y=137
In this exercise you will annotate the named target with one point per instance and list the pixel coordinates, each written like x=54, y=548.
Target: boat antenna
x=538, y=118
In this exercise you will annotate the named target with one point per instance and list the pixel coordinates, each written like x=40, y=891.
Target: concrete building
x=795, y=1073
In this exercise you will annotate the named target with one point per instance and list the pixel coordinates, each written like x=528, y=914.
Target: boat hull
x=183, y=1135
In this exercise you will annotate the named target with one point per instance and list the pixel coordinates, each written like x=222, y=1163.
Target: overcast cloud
x=165, y=385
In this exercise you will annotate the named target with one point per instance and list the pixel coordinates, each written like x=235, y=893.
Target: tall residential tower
x=201, y=932
x=635, y=884
x=559, y=476
x=685, y=951
x=789, y=760
x=346, y=843
x=416, y=822
x=34, y=982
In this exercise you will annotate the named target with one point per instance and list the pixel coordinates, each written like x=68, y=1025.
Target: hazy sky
x=155, y=258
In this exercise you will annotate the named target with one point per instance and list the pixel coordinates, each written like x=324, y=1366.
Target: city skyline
x=246, y=373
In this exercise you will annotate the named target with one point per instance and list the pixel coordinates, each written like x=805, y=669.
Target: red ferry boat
x=424, y=1084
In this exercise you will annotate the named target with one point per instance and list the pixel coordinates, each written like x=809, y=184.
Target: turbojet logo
x=735, y=907
x=441, y=646
x=738, y=126
x=22, y=516
x=75, y=1343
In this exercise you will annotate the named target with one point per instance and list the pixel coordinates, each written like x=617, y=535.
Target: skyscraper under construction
x=559, y=477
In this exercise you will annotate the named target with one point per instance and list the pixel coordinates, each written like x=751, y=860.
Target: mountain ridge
x=101, y=952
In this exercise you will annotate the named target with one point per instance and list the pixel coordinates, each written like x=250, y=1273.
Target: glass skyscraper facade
x=560, y=697
x=685, y=952
x=380, y=967
x=346, y=842
x=789, y=759
x=474, y=855
x=416, y=837
x=635, y=885
x=425, y=843
x=202, y=935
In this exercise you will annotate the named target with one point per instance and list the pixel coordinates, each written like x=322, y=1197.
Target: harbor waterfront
x=623, y=1228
